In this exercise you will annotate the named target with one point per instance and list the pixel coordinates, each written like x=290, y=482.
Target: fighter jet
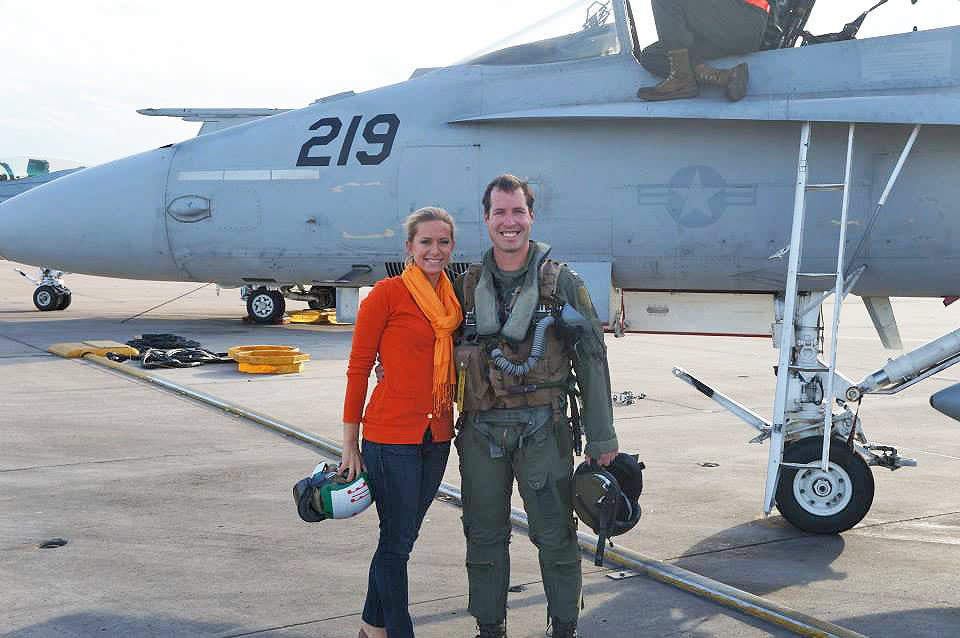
x=835, y=175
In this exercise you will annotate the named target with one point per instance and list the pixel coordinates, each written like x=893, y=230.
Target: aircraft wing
x=219, y=119
x=213, y=119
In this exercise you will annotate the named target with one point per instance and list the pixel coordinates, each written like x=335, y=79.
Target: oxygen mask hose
x=536, y=351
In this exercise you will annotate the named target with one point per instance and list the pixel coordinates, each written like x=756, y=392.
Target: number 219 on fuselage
x=379, y=131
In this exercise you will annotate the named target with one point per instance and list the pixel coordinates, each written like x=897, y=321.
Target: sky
x=73, y=73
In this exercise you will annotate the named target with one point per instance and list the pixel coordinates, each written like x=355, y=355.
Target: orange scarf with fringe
x=443, y=311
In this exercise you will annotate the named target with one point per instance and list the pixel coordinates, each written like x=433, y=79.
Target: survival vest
x=482, y=385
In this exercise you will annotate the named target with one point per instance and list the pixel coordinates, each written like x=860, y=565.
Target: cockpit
x=595, y=28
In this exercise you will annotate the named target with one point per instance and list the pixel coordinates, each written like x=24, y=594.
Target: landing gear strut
x=323, y=297
x=50, y=293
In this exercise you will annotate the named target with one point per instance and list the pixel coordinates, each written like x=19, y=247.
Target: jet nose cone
x=105, y=220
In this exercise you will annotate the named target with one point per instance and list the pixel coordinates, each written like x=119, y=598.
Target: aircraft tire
x=46, y=298
x=279, y=302
x=65, y=299
x=265, y=306
x=824, y=502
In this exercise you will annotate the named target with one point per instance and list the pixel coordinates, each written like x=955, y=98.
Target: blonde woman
x=406, y=323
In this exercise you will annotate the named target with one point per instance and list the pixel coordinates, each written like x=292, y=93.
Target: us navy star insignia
x=696, y=196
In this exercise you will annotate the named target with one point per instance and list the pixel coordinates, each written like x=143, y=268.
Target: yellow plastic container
x=241, y=350
x=314, y=316
x=305, y=316
x=75, y=350
x=273, y=358
x=264, y=359
x=250, y=368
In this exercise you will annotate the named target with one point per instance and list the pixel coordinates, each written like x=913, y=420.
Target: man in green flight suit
x=516, y=366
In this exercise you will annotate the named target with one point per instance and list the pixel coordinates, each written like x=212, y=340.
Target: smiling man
x=516, y=362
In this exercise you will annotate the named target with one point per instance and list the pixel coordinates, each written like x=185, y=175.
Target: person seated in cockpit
x=691, y=32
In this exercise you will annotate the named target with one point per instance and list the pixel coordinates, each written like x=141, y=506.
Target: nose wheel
x=50, y=292
x=824, y=502
x=47, y=297
x=266, y=306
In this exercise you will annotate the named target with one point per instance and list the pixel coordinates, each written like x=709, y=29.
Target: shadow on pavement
x=931, y=622
x=93, y=623
x=765, y=556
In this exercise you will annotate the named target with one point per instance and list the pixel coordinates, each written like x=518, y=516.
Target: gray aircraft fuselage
x=685, y=195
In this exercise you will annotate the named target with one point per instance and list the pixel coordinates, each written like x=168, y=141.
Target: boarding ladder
x=787, y=365
x=843, y=283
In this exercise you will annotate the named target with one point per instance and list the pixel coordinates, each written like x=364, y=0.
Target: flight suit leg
x=670, y=16
x=486, y=486
x=725, y=27
x=708, y=29
x=543, y=464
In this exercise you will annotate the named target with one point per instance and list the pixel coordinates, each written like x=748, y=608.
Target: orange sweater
x=390, y=323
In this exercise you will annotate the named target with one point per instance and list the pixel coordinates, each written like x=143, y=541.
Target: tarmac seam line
x=691, y=582
x=103, y=461
x=903, y=520
x=24, y=343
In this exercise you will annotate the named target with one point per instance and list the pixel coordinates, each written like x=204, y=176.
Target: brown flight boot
x=681, y=83
x=734, y=80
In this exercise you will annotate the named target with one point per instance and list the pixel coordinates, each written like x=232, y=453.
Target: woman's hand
x=351, y=463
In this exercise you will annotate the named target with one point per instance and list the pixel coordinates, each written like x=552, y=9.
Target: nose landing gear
x=50, y=293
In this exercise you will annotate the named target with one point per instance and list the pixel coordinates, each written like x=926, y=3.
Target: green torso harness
x=511, y=353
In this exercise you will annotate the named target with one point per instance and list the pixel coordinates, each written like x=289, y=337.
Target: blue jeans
x=403, y=480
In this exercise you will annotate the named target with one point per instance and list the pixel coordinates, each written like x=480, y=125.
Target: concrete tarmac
x=179, y=519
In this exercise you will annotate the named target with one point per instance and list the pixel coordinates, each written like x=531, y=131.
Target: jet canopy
x=583, y=29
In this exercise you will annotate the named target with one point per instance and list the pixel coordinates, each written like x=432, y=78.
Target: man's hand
x=604, y=459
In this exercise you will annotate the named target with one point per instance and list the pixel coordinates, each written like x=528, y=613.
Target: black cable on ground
x=166, y=302
x=164, y=350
